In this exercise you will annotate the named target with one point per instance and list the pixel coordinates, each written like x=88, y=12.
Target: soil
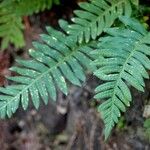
x=72, y=122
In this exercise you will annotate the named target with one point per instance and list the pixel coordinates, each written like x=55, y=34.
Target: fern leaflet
x=122, y=60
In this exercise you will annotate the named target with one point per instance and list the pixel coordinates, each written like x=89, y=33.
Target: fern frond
x=11, y=13
x=94, y=16
x=56, y=59
x=122, y=60
x=28, y=7
x=10, y=29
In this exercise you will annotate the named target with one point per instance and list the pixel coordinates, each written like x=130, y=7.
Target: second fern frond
x=122, y=60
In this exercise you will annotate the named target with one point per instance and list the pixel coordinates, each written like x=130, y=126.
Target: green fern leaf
x=11, y=13
x=26, y=8
x=56, y=59
x=122, y=60
x=10, y=29
x=94, y=16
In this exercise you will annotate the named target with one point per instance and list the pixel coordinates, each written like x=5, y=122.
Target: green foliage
x=11, y=13
x=147, y=123
x=10, y=28
x=135, y=2
x=56, y=59
x=147, y=128
x=122, y=60
x=121, y=125
x=28, y=7
x=94, y=16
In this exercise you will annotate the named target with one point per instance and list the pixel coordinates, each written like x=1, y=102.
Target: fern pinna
x=122, y=60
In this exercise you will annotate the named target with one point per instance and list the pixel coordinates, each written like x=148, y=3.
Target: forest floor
x=72, y=123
